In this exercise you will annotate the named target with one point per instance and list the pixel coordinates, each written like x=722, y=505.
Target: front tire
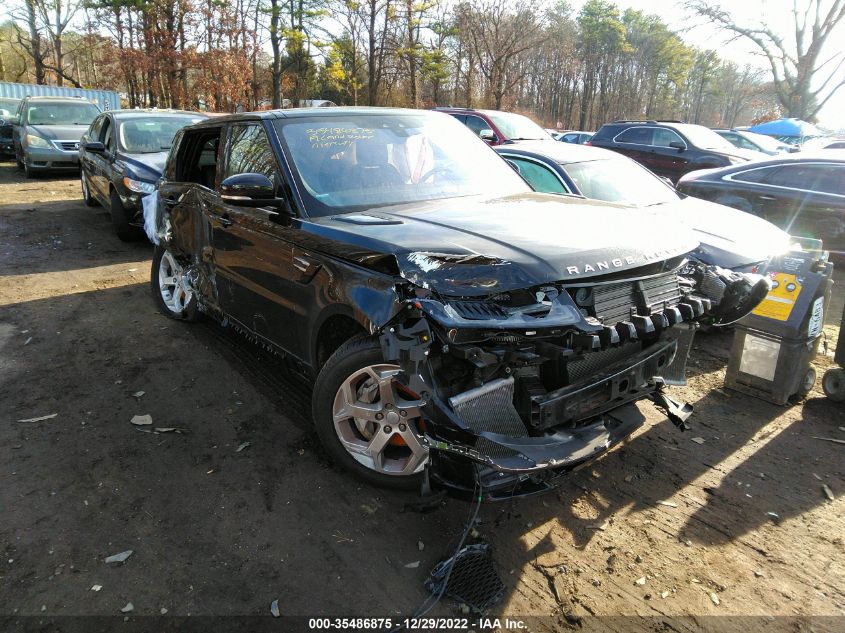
x=367, y=422
x=171, y=292
x=120, y=219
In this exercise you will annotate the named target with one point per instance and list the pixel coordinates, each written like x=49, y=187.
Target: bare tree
x=33, y=44
x=500, y=32
x=56, y=15
x=796, y=66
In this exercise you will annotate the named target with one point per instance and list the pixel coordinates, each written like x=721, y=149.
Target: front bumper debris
x=518, y=394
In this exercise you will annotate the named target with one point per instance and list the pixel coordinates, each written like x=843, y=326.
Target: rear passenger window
x=823, y=178
x=249, y=152
x=762, y=175
x=638, y=135
x=196, y=160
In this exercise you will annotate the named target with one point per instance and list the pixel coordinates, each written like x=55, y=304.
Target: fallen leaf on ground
x=413, y=565
x=142, y=420
x=129, y=607
x=698, y=440
x=668, y=504
x=119, y=558
x=40, y=418
x=828, y=492
x=274, y=608
x=640, y=581
x=243, y=446
x=828, y=439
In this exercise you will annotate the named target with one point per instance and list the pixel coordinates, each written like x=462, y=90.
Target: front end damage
x=516, y=388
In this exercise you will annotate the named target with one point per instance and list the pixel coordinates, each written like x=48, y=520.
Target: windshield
x=155, y=134
x=516, y=127
x=761, y=140
x=349, y=162
x=619, y=180
x=705, y=138
x=63, y=113
x=8, y=106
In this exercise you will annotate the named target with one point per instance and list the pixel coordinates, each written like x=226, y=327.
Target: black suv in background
x=670, y=148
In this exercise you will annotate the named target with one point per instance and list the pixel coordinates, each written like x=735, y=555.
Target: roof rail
x=450, y=108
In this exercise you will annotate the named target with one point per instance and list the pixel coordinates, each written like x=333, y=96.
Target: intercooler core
x=490, y=408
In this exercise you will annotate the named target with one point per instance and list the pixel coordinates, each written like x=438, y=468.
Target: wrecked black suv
x=460, y=328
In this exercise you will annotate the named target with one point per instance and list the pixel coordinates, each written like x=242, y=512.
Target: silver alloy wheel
x=175, y=292
x=376, y=424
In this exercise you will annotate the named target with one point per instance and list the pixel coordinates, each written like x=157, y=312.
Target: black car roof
x=820, y=156
x=294, y=113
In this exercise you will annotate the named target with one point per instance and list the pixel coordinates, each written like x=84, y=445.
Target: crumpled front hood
x=59, y=132
x=729, y=237
x=475, y=246
x=147, y=167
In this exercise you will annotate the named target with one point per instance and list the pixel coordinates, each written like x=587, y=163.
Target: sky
x=777, y=15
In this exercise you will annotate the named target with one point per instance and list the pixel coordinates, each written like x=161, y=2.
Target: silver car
x=47, y=131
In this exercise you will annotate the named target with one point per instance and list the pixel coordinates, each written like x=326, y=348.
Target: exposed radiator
x=617, y=302
x=490, y=408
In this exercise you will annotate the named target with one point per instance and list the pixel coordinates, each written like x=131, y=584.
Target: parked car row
x=802, y=193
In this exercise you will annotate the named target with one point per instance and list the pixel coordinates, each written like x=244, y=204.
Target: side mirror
x=678, y=146
x=488, y=136
x=95, y=147
x=250, y=190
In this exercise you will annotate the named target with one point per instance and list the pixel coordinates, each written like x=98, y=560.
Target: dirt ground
x=662, y=527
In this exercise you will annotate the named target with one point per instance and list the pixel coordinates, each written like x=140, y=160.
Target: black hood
x=475, y=246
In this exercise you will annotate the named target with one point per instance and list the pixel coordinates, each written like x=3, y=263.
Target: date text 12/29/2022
x=417, y=624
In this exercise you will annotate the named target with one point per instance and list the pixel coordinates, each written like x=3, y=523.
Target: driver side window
x=107, y=135
x=249, y=152
x=664, y=137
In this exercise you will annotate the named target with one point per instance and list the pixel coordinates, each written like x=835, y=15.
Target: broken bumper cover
x=600, y=412
x=512, y=466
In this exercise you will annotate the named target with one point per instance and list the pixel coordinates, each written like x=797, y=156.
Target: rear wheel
x=833, y=384
x=120, y=220
x=807, y=384
x=171, y=291
x=90, y=201
x=366, y=420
